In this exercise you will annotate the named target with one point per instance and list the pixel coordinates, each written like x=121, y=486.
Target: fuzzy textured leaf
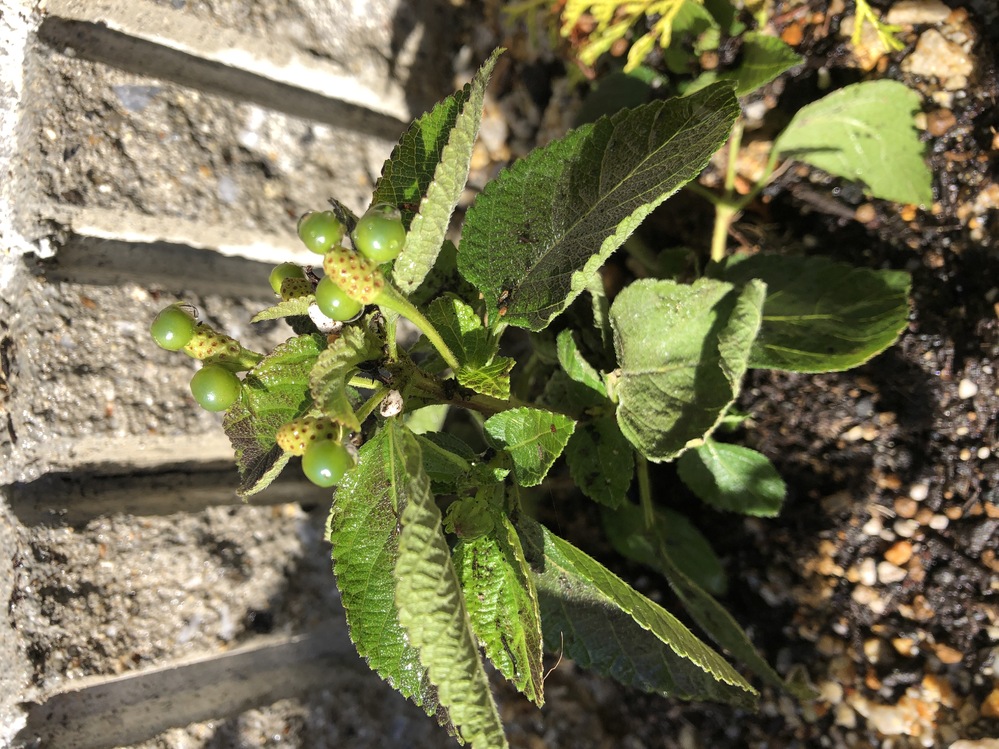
x=474, y=346
x=605, y=625
x=431, y=606
x=533, y=438
x=652, y=547
x=733, y=477
x=820, y=315
x=601, y=461
x=537, y=233
x=503, y=605
x=289, y=308
x=333, y=369
x=867, y=133
x=363, y=527
x=575, y=365
x=275, y=391
x=441, y=195
x=682, y=351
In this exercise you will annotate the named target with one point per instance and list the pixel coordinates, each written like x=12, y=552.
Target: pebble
x=979, y=744
x=905, y=507
x=905, y=646
x=990, y=706
x=967, y=389
x=899, y=553
x=913, y=12
x=937, y=57
x=919, y=492
x=947, y=654
x=889, y=573
x=939, y=522
x=905, y=528
x=868, y=572
x=939, y=122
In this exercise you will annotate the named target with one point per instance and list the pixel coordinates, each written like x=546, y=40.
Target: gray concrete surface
x=155, y=151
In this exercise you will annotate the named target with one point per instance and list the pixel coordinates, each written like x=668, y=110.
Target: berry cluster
x=353, y=279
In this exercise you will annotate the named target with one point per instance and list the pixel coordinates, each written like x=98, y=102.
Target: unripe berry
x=320, y=231
x=293, y=288
x=282, y=272
x=173, y=328
x=359, y=278
x=298, y=434
x=210, y=344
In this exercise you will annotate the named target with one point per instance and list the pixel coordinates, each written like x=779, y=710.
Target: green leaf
x=538, y=232
x=275, y=391
x=533, y=438
x=438, y=146
x=575, y=365
x=672, y=532
x=564, y=394
x=733, y=477
x=363, y=528
x=328, y=379
x=503, y=604
x=682, y=351
x=605, y=625
x=475, y=346
x=762, y=59
x=601, y=461
x=652, y=546
x=431, y=606
x=865, y=132
x=426, y=419
x=820, y=315
x=290, y=308
x=446, y=459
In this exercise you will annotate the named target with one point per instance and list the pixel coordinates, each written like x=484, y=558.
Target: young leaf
x=694, y=556
x=275, y=391
x=651, y=546
x=466, y=336
x=446, y=459
x=733, y=477
x=605, y=625
x=329, y=377
x=575, y=365
x=538, y=232
x=289, y=308
x=431, y=606
x=503, y=604
x=363, y=527
x=430, y=166
x=682, y=351
x=864, y=132
x=820, y=315
x=533, y=438
x=601, y=461
x=762, y=59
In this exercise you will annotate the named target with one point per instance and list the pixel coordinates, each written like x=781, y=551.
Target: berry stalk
x=391, y=298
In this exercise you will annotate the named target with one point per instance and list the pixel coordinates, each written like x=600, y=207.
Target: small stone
x=979, y=744
x=939, y=522
x=865, y=213
x=937, y=57
x=924, y=516
x=905, y=646
x=966, y=389
x=983, y=453
x=845, y=716
x=831, y=692
x=913, y=12
x=872, y=650
x=899, y=553
x=868, y=572
x=990, y=707
x=889, y=573
x=873, y=527
x=905, y=507
x=954, y=512
x=965, y=454
x=905, y=528
x=919, y=492
x=939, y=122
x=947, y=654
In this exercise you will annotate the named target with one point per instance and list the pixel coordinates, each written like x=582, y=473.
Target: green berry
x=357, y=276
x=380, y=234
x=325, y=462
x=215, y=388
x=172, y=328
x=283, y=271
x=334, y=302
x=297, y=434
x=320, y=231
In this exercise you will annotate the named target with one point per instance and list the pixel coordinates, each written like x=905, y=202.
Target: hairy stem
x=393, y=300
x=645, y=490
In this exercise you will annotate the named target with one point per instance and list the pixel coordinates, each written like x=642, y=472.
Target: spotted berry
x=359, y=277
x=294, y=436
x=294, y=288
x=282, y=272
x=207, y=343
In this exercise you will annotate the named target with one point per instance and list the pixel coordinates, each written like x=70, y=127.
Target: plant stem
x=364, y=382
x=645, y=490
x=248, y=359
x=725, y=214
x=642, y=254
x=372, y=403
x=393, y=300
